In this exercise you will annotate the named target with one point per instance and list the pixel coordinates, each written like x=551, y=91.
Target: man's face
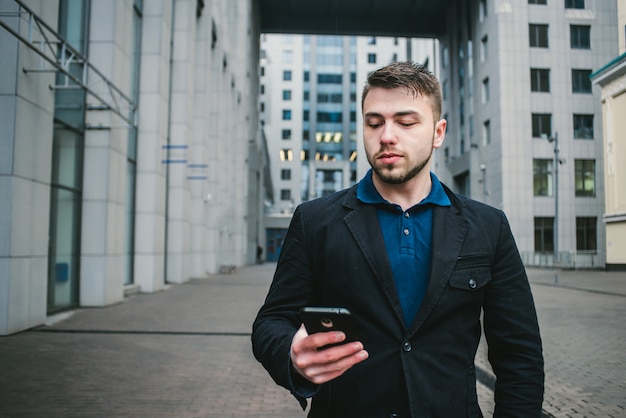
x=399, y=134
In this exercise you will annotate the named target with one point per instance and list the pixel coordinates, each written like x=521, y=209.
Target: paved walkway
x=185, y=352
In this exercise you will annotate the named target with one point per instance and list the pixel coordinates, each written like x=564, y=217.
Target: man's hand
x=320, y=366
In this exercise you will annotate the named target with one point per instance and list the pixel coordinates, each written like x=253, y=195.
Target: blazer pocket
x=472, y=260
x=472, y=272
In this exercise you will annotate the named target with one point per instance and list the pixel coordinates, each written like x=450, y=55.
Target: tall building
x=130, y=149
x=612, y=79
x=525, y=122
x=310, y=111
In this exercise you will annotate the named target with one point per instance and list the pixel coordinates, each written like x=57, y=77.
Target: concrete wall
x=26, y=111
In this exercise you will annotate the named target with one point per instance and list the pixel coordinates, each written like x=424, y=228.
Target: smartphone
x=325, y=319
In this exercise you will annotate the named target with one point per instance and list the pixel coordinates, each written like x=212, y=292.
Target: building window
x=537, y=2
x=462, y=183
x=580, y=36
x=329, y=117
x=285, y=174
x=329, y=78
x=581, y=83
x=444, y=89
x=286, y=155
x=574, y=4
x=586, y=234
x=486, y=93
x=262, y=89
x=542, y=125
x=484, y=48
x=287, y=56
x=583, y=126
x=287, y=95
x=486, y=132
x=482, y=10
x=538, y=35
x=286, y=134
x=371, y=58
x=287, y=75
x=262, y=107
x=286, y=114
x=542, y=177
x=445, y=57
x=285, y=194
x=329, y=97
x=544, y=235
x=372, y=41
x=540, y=80
x=585, y=177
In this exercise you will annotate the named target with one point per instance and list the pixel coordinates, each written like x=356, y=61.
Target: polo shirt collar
x=367, y=193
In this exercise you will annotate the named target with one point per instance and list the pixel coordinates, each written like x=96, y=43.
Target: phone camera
x=327, y=323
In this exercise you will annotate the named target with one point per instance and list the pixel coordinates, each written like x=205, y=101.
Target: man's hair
x=415, y=78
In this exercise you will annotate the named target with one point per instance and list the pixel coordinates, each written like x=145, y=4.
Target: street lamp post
x=557, y=162
x=483, y=169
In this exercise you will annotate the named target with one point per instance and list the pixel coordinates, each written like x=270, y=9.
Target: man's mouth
x=388, y=158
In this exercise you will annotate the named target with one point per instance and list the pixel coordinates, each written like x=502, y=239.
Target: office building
x=612, y=80
x=310, y=111
x=130, y=149
x=524, y=120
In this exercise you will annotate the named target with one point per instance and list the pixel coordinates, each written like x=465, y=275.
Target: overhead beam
x=341, y=25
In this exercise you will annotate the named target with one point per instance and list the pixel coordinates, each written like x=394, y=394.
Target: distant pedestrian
x=417, y=265
x=259, y=254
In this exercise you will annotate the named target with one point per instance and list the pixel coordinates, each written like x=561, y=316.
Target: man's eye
x=374, y=125
x=407, y=124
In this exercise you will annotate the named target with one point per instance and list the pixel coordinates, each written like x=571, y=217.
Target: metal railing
x=62, y=57
x=568, y=259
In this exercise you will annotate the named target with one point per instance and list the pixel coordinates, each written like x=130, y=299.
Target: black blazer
x=334, y=255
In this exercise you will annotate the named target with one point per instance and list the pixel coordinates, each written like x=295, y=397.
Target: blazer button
x=393, y=416
x=472, y=283
x=407, y=346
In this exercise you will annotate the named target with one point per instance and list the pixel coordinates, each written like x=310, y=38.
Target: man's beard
x=387, y=175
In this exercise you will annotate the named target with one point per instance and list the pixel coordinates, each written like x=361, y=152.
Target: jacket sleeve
x=278, y=319
x=512, y=333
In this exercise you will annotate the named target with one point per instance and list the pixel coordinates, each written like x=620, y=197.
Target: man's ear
x=440, y=133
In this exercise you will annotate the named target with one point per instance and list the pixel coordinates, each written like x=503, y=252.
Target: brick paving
x=185, y=352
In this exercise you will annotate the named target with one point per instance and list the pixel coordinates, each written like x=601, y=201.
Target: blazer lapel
x=364, y=226
x=449, y=232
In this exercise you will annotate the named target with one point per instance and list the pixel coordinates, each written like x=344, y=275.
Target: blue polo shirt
x=408, y=240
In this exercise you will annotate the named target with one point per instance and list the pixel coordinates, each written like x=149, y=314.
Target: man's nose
x=388, y=133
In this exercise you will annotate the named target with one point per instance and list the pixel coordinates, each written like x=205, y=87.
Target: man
x=416, y=265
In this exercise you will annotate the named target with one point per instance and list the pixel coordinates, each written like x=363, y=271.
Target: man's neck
x=408, y=194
